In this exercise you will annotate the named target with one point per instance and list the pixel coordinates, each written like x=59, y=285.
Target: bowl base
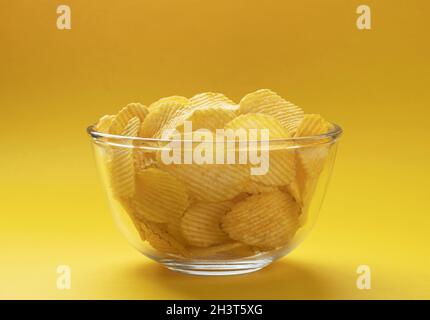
x=215, y=268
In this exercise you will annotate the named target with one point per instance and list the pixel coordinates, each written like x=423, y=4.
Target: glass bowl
x=217, y=218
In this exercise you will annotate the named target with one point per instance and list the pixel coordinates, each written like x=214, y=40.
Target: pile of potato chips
x=215, y=210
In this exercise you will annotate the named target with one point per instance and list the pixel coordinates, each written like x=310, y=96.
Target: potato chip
x=267, y=220
x=206, y=111
x=174, y=229
x=177, y=120
x=282, y=160
x=140, y=230
x=259, y=121
x=201, y=117
x=206, y=178
x=268, y=102
x=241, y=196
x=279, y=155
x=161, y=240
x=306, y=183
x=308, y=177
x=209, y=182
x=122, y=163
x=200, y=224
x=125, y=114
x=312, y=125
x=302, y=189
x=213, y=100
x=138, y=226
x=126, y=204
x=160, y=197
x=294, y=190
x=143, y=159
x=313, y=159
x=172, y=100
x=160, y=115
x=104, y=123
x=253, y=187
x=313, y=155
x=132, y=128
x=210, y=118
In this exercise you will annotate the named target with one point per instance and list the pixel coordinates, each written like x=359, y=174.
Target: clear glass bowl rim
x=332, y=136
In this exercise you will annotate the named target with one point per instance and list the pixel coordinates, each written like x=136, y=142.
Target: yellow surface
x=374, y=83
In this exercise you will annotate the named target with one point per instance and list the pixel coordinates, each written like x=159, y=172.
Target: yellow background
x=374, y=83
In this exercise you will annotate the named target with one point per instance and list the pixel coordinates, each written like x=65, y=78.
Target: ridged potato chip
x=253, y=187
x=169, y=100
x=174, y=229
x=143, y=159
x=268, y=102
x=306, y=183
x=104, y=123
x=206, y=111
x=205, y=179
x=159, y=197
x=125, y=114
x=312, y=156
x=311, y=125
x=213, y=99
x=210, y=118
x=294, y=190
x=267, y=220
x=241, y=196
x=161, y=240
x=177, y=121
x=313, y=159
x=132, y=128
x=259, y=121
x=122, y=163
x=278, y=155
x=140, y=230
x=200, y=224
x=126, y=204
x=302, y=190
x=209, y=182
x=159, y=116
